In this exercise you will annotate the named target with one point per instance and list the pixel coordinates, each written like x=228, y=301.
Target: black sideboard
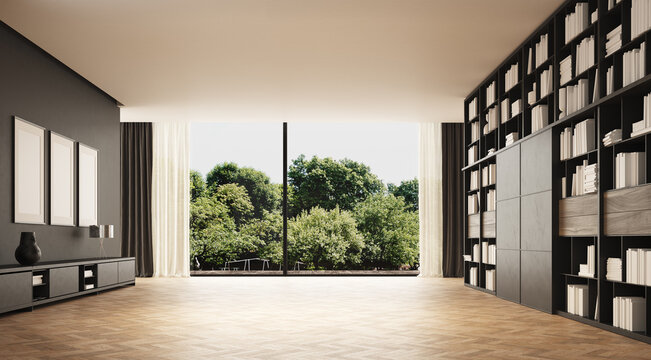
x=28, y=286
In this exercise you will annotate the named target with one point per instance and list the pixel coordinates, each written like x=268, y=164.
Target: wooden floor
x=302, y=318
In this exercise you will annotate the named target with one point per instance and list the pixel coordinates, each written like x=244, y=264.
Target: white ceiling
x=281, y=60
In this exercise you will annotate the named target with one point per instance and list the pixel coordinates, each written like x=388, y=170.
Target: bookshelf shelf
x=608, y=220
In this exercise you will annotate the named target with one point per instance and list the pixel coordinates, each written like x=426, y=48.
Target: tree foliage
x=263, y=195
x=409, y=192
x=341, y=217
x=389, y=230
x=325, y=239
x=328, y=184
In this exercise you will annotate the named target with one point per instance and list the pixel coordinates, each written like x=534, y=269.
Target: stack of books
x=488, y=253
x=614, y=40
x=542, y=50
x=489, y=175
x=511, y=77
x=473, y=154
x=491, y=200
x=585, y=55
x=566, y=69
x=610, y=80
x=614, y=269
x=490, y=279
x=506, y=110
x=511, y=138
x=613, y=137
x=473, y=276
x=473, y=204
x=630, y=169
x=531, y=95
x=88, y=273
x=576, y=21
x=474, y=131
x=588, y=270
x=539, y=117
x=638, y=266
x=574, y=98
x=546, y=84
x=492, y=120
x=475, y=253
x=584, y=137
x=491, y=91
x=577, y=300
x=578, y=179
x=515, y=108
x=640, y=17
x=467, y=257
x=643, y=126
x=590, y=179
x=37, y=279
x=634, y=65
x=474, y=180
x=472, y=108
x=89, y=286
x=566, y=143
x=629, y=313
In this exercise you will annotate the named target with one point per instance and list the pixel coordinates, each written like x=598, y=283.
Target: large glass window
x=352, y=197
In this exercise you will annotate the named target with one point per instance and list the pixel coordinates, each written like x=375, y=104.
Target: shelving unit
x=611, y=219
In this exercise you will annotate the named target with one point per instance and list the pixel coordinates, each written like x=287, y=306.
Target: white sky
x=389, y=148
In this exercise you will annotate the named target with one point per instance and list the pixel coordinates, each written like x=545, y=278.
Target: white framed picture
x=29, y=172
x=62, y=180
x=87, y=184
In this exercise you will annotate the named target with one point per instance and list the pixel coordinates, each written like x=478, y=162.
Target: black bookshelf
x=612, y=220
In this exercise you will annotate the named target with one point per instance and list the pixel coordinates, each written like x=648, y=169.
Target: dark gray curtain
x=136, y=140
x=452, y=186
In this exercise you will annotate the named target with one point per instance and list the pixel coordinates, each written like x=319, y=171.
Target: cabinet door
x=15, y=290
x=508, y=275
x=508, y=224
x=536, y=222
x=107, y=274
x=64, y=281
x=508, y=173
x=536, y=165
x=126, y=271
x=537, y=279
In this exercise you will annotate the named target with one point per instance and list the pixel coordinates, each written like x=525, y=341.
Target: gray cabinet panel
x=536, y=221
x=64, y=281
x=508, y=224
x=537, y=279
x=508, y=173
x=15, y=290
x=107, y=274
x=126, y=271
x=508, y=275
x=536, y=164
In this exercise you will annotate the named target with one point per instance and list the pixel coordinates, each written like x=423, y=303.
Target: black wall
x=41, y=90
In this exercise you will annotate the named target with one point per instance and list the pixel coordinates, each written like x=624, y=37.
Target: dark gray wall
x=40, y=89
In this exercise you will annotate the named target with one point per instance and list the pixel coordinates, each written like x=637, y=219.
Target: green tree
x=390, y=232
x=236, y=199
x=325, y=239
x=263, y=194
x=408, y=190
x=329, y=184
x=197, y=185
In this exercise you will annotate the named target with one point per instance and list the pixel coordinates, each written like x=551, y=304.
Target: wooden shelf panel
x=473, y=225
x=488, y=224
x=628, y=211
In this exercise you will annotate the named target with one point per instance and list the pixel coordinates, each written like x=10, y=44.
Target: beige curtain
x=430, y=200
x=171, y=199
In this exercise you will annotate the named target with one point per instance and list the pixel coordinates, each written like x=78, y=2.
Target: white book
x=89, y=286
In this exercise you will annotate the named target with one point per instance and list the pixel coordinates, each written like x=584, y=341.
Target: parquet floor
x=302, y=318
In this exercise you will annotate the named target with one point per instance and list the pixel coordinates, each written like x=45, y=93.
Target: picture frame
x=29, y=172
x=62, y=180
x=87, y=184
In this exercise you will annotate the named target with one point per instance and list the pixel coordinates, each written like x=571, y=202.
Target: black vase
x=27, y=253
